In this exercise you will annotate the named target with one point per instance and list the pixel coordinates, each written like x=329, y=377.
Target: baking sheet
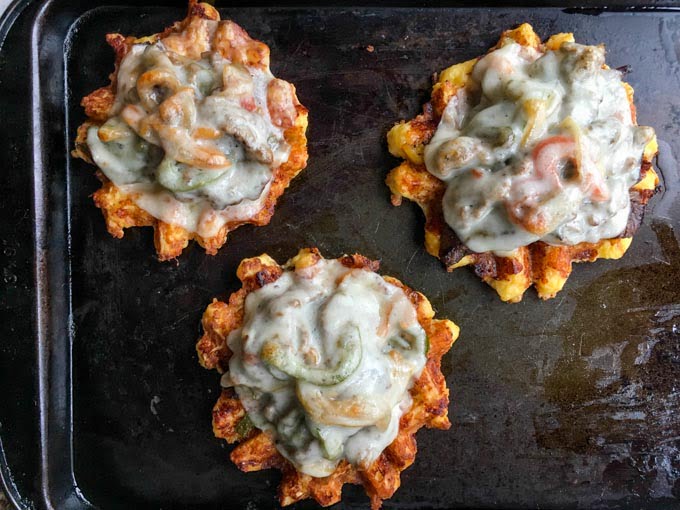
x=560, y=404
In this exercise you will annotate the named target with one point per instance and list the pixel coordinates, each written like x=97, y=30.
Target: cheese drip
x=191, y=141
x=324, y=361
x=538, y=146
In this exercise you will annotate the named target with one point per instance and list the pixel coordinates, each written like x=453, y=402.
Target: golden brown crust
x=544, y=266
x=188, y=37
x=256, y=451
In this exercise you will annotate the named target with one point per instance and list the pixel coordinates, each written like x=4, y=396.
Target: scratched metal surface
x=569, y=403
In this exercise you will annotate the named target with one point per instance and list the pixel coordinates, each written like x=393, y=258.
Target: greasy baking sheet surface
x=566, y=403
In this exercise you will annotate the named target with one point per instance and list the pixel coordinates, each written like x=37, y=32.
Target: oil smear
x=614, y=394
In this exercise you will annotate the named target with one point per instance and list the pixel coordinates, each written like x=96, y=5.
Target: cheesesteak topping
x=538, y=146
x=324, y=361
x=194, y=140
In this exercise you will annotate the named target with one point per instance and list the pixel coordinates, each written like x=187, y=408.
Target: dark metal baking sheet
x=570, y=403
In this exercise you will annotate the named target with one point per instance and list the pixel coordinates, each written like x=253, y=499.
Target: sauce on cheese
x=192, y=140
x=538, y=146
x=324, y=361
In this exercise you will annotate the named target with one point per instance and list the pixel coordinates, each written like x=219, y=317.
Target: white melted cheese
x=324, y=361
x=197, y=151
x=538, y=146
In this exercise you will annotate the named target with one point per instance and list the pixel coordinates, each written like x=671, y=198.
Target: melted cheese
x=324, y=361
x=190, y=141
x=538, y=146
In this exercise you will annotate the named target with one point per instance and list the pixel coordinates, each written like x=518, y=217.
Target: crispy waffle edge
x=119, y=209
x=544, y=266
x=256, y=451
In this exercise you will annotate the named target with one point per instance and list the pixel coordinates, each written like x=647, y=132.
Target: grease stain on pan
x=615, y=392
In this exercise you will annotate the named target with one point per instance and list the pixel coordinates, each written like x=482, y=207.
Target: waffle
x=256, y=451
x=546, y=267
x=187, y=38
